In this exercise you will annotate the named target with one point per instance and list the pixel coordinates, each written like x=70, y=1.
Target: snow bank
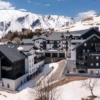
x=70, y=91
x=47, y=69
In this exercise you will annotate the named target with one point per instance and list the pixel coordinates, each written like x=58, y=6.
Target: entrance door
x=91, y=72
x=74, y=70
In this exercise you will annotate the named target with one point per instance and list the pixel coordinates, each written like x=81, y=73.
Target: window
x=30, y=71
x=84, y=57
x=91, y=44
x=30, y=66
x=8, y=85
x=81, y=38
x=3, y=84
x=91, y=64
x=97, y=64
x=85, y=44
x=97, y=72
x=30, y=60
x=97, y=57
x=83, y=50
x=92, y=57
x=88, y=50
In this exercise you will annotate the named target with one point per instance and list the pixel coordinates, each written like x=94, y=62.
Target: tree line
x=11, y=35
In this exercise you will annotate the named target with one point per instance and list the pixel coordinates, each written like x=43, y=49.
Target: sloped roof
x=27, y=41
x=35, y=37
x=25, y=47
x=11, y=52
x=88, y=31
x=57, y=35
x=87, y=40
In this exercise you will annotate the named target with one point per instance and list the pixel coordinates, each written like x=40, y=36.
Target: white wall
x=37, y=42
x=70, y=66
x=13, y=84
x=73, y=55
x=30, y=64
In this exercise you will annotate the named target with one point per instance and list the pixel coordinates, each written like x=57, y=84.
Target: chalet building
x=86, y=56
x=18, y=64
x=12, y=67
x=85, y=53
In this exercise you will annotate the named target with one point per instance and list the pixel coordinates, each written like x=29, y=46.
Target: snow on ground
x=47, y=69
x=75, y=91
x=70, y=91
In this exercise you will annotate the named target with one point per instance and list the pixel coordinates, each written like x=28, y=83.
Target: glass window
x=97, y=64
x=97, y=57
x=30, y=66
x=8, y=85
x=91, y=44
x=83, y=50
x=85, y=44
x=97, y=72
x=84, y=57
x=92, y=57
x=2, y=84
x=91, y=64
x=88, y=50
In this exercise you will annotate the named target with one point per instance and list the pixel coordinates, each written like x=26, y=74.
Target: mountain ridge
x=14, y=20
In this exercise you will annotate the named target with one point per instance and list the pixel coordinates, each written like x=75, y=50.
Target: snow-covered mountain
x=15, y=20
x=83, y=24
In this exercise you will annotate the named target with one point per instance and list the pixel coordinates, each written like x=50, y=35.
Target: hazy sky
x=69, y=8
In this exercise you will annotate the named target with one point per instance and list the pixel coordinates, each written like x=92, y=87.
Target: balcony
x=81, y=66
x=97, y=48
x=36, y=60
x=7, y=68
x=56, y=43
x=85, y=53
x=44, y=42
x=56, y=46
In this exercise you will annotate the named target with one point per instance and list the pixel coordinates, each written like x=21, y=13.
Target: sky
x=70, y=8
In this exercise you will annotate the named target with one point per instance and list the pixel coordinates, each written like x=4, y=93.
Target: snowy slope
x=81, y=25
x=15, y=20
x=70, y=91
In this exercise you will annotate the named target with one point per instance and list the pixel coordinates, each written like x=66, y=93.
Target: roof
x=27, y=41
x=11, y=52
x=35, y=37
x=25, y=47
x=78, y=32
x=87, y=40
x=88, y=31
x=58, y=35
